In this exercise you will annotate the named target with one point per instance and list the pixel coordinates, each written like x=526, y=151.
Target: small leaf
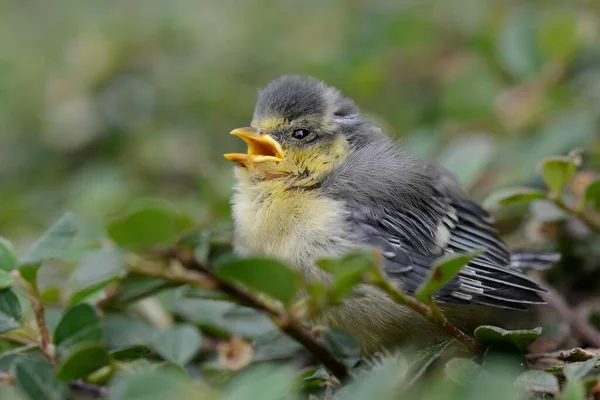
x=516, y=45
x=442, y=272
x=262, y=382
x=578, y=370
x=144, y=225
x=512, y=196
x=557, y=172
x=6, y=279
x=178, y=343
x=274, y=346
x=53, y=244
x=262, y=274
x=130, y=353
x=574, y=390
x=348, y=271
x=96, y=271
x=81, y=360
x=425, y=358
x=36, y=378
x=462, y=371
x=136, y=287
x=78, y=324
x=342, y=346
x=538, y=381
x=8, y=256
x=521, y=339
x=159, y=384
x=592, y=195
x=10, y=311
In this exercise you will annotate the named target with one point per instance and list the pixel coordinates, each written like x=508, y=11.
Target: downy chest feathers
x=294, y=225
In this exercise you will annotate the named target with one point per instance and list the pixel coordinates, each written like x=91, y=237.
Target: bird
x=319, y=180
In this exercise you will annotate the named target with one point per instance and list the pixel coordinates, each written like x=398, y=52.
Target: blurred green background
x=105, y=101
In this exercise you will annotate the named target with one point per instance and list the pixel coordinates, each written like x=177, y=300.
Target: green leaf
x=130, y=353
x=178, y=343
x=261, y=382
x=592, y=195
x=136, y=287
x=462, y=371
x=538, y=381
x=342, y=346
x=558, y=35
x=159, y=384
x=467, y=157
x=512, y=196
x=6, y=279
x=425, y=358
x=274, y=346
x=521, y=339
x=10, y=311
x=443, y=270
x=262, y=274
x=8, y=256
x=347, y=271
x=144, y=225
x=557, y=172
x=574, y=390
x=53, y=244
x=36, y=378
x=96, y=271
x=516, y=45
x=80, y=323
x=122, y=331
x=10, y=393
x=578, y=370
x=81, y=360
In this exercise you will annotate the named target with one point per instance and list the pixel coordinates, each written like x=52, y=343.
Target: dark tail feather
x=533, y=260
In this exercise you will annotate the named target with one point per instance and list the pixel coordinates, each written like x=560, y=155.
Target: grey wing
x=412, y=238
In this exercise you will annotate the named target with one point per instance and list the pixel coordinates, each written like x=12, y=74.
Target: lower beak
x=261, y=148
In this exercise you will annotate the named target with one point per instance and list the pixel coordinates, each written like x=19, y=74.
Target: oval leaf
x=54, y=243
x=95, y=272
x=36, y=378
x=512, y=196
x=10, y=311
x=578, y=370
x=8, y=256
x=521, y=339
x=262, y=274
x=592, y=195
x=538, y=381
x=158, y=384
x=78, y=324
x=151, y=224
x=557, y=172
x=178, y=343
x=82, y=360
x=6, y=279
x=130, y=353
x=443, y=270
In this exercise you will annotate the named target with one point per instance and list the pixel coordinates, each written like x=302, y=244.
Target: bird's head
x=300, y=131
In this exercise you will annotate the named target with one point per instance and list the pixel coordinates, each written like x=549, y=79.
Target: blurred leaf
x=6, y=279
x=342, y=346
x=136, y=287
x=130, y=353
x=538, y=381
x=442, y=272
x=521, y=339
x=592, y=194
x=159, y=384
x=574, y=390
x=462, y=371
x=36, y=378
x=10, y=311
x=81, y=360
x=262, y=274
x=558, y=36
x=261, y=382
x=557, y=172
x=80, y=323
x=146, y=225
x=468, y=157
x=347, y=271
x=8, y=256
x=124, y=331
x=511, y=196
x=274, y=345
x=516, y=44
x=578, y=370
x=178, y=343
x=425, y=358
x=53, y=244
x=10, y=393
x=95, y=272
x=384, y=381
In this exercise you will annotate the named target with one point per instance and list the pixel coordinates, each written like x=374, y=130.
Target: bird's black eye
x=300, y=134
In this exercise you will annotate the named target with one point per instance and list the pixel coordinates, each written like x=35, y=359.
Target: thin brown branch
x=285, y=322
x=431, y=312
x=579, y=325
x=40, y=319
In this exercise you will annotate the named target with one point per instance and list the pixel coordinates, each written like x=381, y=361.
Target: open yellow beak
x=261, y=148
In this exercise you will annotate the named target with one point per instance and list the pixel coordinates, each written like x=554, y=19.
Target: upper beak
x=261, y=147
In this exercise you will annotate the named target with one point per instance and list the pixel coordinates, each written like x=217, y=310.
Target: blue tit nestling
x=319, y=180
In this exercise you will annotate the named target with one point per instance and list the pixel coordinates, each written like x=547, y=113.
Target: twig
x=285, y=322
x=40, y=319
x=431, y=312
x=89, y=389
x=578, y=324
x=576, y=212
